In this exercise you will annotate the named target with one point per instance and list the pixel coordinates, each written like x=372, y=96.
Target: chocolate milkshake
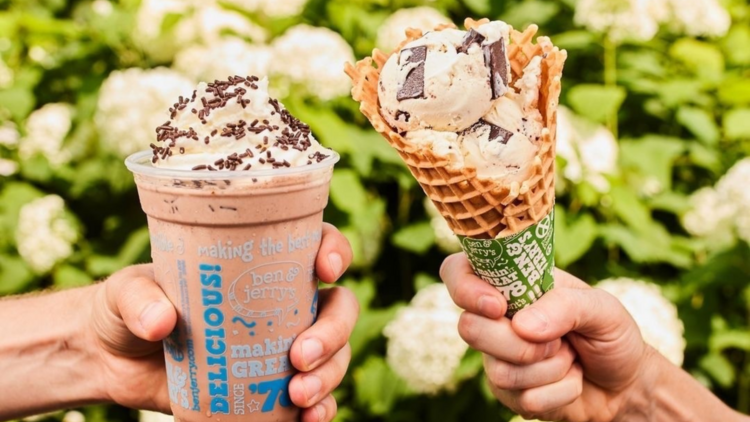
x=234, y=189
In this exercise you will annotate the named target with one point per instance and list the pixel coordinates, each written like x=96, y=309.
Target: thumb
x=134, y=297
x=592, y=313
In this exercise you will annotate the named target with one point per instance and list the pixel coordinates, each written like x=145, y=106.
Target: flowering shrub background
x=652, y=186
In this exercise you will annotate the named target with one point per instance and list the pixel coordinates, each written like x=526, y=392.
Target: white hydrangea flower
x=446, y=240
x=73, y=416
x=273, y=8
x=9, y=135
x=45, y=235
x=655, y=315
x=733, y=186
x=8, y=167
x=6, y=75
x=709, y=214
x=102, y=7
x=148, y=416
x=590, y=150
x=621, y=19
x=313, y=58
x=46, y=129
x=393, y=29
x=640, y=19
x=133, y=102
x=726, y=207
x=700, y=17
x=424, y=347
x=232, y=56
x=210, y=23
x=198, y=22
x=518, y=418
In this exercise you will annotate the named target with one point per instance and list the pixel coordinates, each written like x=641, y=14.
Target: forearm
x=666, y=393
x=45, y=363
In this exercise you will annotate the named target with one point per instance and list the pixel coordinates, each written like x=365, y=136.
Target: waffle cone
x=473, y=206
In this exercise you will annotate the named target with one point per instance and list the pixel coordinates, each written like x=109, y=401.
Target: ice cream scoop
x=450, y=91
x=445, y=80
x=233, y=125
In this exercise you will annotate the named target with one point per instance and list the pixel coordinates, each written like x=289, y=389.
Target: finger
x=546, y=399
x=324, y=411
x=496, y=337
x=308, y=388
x=338, y=314
x=508, y=376
x=469, y=291
x=334, y=256
x=133, y=298
x=590, y=312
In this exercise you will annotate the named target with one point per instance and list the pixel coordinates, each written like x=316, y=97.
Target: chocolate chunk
x=413, y=86
x=495, y=59
x=406, y=115
x=471, y=37
x=499, y=134
x=496, y=132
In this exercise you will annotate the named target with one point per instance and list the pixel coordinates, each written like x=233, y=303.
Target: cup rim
x=140, y=163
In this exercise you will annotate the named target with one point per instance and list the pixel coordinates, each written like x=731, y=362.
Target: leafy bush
x=652, y=118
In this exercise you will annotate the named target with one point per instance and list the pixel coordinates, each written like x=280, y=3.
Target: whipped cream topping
x=233, y=125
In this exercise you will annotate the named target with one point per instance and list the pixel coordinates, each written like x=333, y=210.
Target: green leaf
x=15, y=275
x=572, y=238
x=347, y=192
x=676, y=91
x=702, y=58
x=574, y=40
x=652, y=157
x=737, y=44
x=735, y=91
x=719, y=368
x=481, y=7
x=530, y=11
x=18, y=101
x=630, y=209
x=423, y=280
x=705, y=157
x=364, y=290
x=471, y=365
x=737, y=124
x=416, y=238
x=370, y=325
x=169, y=21
x=729, y=339
x=377, y=386
x=67, y=276
x=135, y=246
x=37, y=169
x=673, y=202
x=14, y=196
x=700, y=122
x=597, y=102
x=326, y=125
x=652, y=246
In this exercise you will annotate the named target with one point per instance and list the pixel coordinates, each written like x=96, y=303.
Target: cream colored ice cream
x=233, y=125
x=449, y=91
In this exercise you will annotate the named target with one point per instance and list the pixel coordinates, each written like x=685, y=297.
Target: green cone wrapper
x=520, y=266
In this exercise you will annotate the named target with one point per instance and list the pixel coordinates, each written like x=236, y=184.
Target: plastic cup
x=235, y=253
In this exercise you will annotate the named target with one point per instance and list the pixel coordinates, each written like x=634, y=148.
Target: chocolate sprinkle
x=413, y=86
